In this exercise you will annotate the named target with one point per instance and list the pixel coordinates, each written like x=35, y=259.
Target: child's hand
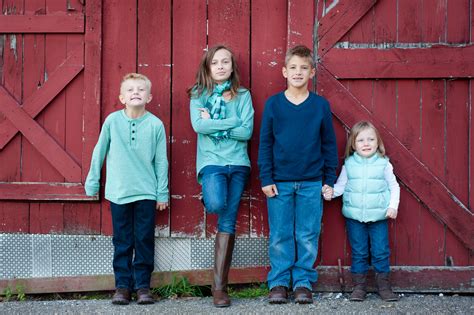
x=270, y=190
x=327, y=192
x=204, y=113
x=160, y=206
x=391, y=213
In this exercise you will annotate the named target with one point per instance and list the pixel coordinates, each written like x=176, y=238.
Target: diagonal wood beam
x=411, y=63
x=334, y=25
x=57, y=81
x=414, y=174
x=39, y=138
x=60, y=23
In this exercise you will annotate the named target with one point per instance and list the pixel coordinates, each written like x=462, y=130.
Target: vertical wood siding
x=384, y=62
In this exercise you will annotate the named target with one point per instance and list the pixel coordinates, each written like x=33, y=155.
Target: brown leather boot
x=121, y=297
x=384, y=288
x=224, y=246
x=360, y=290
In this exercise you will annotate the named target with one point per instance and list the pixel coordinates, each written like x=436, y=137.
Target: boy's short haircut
x=136, y=76
x=300, y=51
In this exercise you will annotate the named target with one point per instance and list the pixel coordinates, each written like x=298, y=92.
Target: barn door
x=49, y=96
x=406, y=66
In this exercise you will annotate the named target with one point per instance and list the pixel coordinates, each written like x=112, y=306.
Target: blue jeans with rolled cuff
x=294, y=218
x=222, y=188
x=134, y=243
x=369, y=239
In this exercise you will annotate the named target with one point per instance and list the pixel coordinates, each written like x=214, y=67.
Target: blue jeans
x=294, y=218
x=365, y=236
x=134, y=243
x=222, y=188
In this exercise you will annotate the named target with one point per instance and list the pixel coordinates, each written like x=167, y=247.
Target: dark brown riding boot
x=384, y=288
x=360, y=290
x=222, y=258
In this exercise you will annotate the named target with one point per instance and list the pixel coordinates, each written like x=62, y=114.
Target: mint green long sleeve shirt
x=239, y=121
x=137, y=164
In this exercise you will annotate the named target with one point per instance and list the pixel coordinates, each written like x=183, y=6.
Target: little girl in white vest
x=371, y=195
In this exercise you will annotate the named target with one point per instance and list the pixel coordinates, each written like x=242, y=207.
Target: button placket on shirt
x=133, y=134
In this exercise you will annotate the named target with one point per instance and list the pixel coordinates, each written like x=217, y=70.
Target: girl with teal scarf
x=222, y=116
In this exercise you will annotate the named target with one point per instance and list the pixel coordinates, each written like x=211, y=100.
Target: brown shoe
x=384, y=287
x=303, y=295
x=144, y=296
x=360, y=291
x=121, y=297
x=278, y=295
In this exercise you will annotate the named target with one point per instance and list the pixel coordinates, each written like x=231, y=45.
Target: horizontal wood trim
x=331, y=278
x=412, y=172
x=411, y=63
x=339, y=20
x=42, y=24
x=43, y=191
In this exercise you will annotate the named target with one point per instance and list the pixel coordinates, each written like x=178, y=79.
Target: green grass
x=17, y=295
x=179, y=287
x=250, y=291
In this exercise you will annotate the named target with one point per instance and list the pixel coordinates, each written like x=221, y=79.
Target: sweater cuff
x=162, y=198
x=267, y=181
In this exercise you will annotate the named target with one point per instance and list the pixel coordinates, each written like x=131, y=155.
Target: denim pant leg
x=122, y=222
x=222, y=188
x=379, y=246
x=281, y=220
x=237, y=178
x=144, y=228
x=308, y=214
x=359, y=239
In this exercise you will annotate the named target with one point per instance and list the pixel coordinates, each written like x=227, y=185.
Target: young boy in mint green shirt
x=134, y=142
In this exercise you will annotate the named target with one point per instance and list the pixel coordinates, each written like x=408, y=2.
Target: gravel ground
x=325, y=303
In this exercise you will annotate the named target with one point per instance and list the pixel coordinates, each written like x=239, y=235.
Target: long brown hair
x=204, y=80
x=358, y=128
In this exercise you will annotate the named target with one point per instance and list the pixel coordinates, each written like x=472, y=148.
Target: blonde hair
x=204, y=79
x=355, y=131
x=300, y=51
x=136, y=76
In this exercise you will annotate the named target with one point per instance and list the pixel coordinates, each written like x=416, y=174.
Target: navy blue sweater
x=297, y=142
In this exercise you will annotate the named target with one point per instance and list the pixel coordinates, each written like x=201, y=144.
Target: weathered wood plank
x=300, y=23
x=154, y=60
x=433, y=18
x=57, y=23
x=46, y=218
x=222, y=28
x=119, y=25
x=409, y=115
x=81, y=218
x=414, y=174
x=339, y=21
x=187, y=212
x=267, y=55
x=435, y=61
x=385, y=22
x=404, y=279
x=91, y=108
x=409, y=21
x=433, y=111
x=42, y=191
x=457, y=139
x=14, y=217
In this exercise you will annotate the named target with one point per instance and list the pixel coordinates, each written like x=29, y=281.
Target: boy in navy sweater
x=297, y=160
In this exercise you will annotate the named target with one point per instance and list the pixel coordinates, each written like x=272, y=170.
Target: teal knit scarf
x=216, y=107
